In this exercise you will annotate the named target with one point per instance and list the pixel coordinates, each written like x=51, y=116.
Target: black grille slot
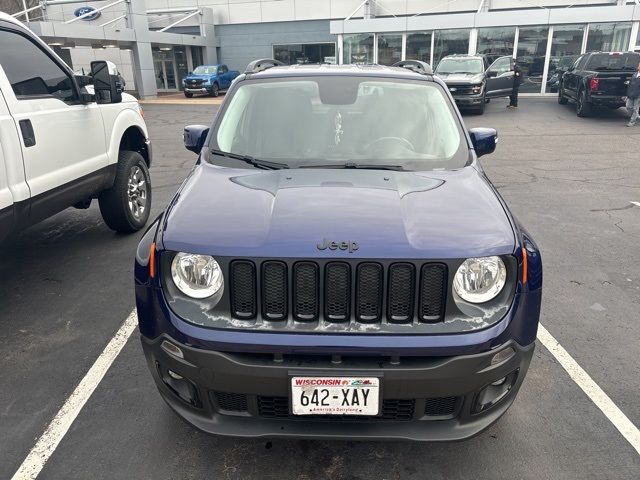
x=337, y=292
x=231, y=402
x=273, y=407
x=369, y=280
x=243, y=289
x=305, y=291
x=274, y=290
x=433, y=281
x=398, y=409
x=400, y=293
x=440, y=407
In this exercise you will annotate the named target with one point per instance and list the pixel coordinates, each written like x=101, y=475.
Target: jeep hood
x=287, y=213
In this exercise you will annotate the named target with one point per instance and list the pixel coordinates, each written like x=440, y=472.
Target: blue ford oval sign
x=82, y=10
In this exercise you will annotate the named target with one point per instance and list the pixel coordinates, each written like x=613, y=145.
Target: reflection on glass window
x=301, y=53
x=532, y=48
x=448, y=42
x=419, y=46
x=389, y=48
x=608, y=37
x=565, y=49
x=358, y=48
x=196, y=56
x=496, y=42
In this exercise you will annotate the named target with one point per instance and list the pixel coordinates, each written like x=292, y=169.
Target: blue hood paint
x=286, y=213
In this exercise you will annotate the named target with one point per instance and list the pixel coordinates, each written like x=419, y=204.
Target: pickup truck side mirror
x=194, y=137
x=484, y=140
x=108, y=87
x=84, y=81
x=492, y=73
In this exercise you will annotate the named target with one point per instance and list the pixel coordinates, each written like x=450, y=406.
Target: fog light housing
x=171, y=349
x=181, y=387
x=493, y=393
x=502, y=356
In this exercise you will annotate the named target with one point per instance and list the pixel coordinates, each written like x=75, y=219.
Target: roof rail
x=417, y=66
x=262, y=64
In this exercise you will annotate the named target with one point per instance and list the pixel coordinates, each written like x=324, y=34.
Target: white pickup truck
x=63, y=144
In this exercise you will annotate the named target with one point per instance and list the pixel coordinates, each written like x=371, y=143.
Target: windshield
x=202, y=70
x=613, y=61
x=341, y=122
x=460, y=65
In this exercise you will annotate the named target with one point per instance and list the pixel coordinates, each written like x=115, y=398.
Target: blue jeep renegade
x=337, y=264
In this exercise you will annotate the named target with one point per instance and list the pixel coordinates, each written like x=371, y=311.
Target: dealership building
x=155, y=43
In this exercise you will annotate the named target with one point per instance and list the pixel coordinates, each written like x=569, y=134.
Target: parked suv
x=337, y=264
x=473, y=81
x=598, y=79
x=208, y=79
x=66, y=139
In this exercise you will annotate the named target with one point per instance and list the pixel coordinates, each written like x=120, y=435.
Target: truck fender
x=129, y=131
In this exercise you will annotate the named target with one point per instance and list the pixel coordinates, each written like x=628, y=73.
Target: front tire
x=583, y=107
x=126, y=205
x=562, y=100
x=215, y=90
x=480, y=109
x=188, y=94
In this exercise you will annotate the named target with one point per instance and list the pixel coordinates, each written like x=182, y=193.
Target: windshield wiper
x=264, y=164
x=358, y=166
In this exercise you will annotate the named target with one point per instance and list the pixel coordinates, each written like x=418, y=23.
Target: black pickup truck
x=598, y=79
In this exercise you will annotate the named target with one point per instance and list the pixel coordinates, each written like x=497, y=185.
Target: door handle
x=28, y=136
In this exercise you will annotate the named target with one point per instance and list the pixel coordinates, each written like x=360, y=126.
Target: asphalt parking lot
x=67, y=283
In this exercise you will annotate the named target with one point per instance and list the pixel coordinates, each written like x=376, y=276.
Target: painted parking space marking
x=59, y=426
x=625, y=426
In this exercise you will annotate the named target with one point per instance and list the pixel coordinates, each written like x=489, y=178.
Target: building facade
x=157, y=42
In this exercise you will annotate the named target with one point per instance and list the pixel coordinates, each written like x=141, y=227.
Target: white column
x=547, y=60
x=339, y=53
x=143, y=71
x=403, y=55
x=375, y=48
x=433, y=39
x=473, y=41
x=515, y=42
x=585, y=35
x=634, y=36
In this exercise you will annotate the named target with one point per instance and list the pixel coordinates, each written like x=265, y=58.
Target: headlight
x=476, y=89
x=479, y=280
x=197, y=276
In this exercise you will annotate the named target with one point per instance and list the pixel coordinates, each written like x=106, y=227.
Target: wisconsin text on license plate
x=335, y=395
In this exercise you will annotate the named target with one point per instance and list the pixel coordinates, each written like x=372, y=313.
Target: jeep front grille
x=338, y=291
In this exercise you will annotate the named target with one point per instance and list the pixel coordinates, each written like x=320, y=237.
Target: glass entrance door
x=165, y=70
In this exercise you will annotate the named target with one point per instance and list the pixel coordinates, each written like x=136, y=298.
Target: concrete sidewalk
x=180, y=99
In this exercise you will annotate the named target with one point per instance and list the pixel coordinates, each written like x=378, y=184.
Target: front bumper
x=469, y=100
x=197, y=90
x=247, y=395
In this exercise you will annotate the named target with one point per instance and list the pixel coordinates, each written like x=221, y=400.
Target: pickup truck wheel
x=583, y=108
x=125, y=206
x=188, y=94
x=562, y=100
x=215, y=90
x=480, y=109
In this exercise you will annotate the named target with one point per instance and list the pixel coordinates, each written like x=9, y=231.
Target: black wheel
x=215, y=90
x=487, y=100
x=125, y=206
x=562, y=100
x=583, y=108
x=188, y=94
x=480, y=109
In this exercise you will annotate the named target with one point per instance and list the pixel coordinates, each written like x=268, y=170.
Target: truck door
x=570, y=77
x=499, y=78
x=223, y=75
x=63, y=141
x=7, y=215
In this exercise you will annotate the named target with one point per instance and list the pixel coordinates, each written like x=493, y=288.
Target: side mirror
x=108, y=86
x=484, y=140
x=190, y=73
x=492, y=73
x=194, y=137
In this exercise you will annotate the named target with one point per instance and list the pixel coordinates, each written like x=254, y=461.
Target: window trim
x=61, y=65
x=274, y=45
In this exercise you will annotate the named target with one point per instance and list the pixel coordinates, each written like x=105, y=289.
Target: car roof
x=371, y=70
x=8, y=18
x=465, y=55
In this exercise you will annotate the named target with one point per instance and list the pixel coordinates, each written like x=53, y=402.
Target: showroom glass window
x=301, y=53
x=358, y=48
x=566, y=46
x=389, y=48
x=31, y=72
x=532, y=49
x=448, y=42
x=608, y=37
x=196, y=57
x=496, y=42
x=419, y=46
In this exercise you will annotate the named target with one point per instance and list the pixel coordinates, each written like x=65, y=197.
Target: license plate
x=335, y=395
